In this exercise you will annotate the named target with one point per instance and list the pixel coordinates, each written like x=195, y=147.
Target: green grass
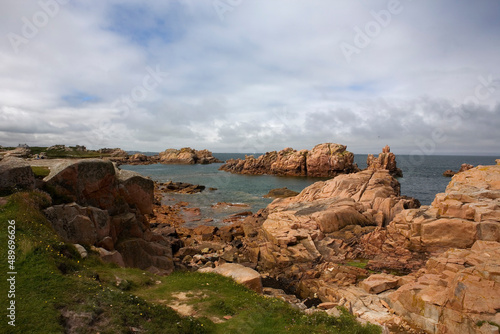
x=52, y=280
x=40, y=171
x=214, y=297
x=57, y=291
x=359, y=263
x=58, y=154
x=482, y=322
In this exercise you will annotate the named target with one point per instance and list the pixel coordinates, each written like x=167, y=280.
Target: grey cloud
x=270, y=75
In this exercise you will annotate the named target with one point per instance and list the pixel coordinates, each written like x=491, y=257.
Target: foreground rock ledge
x=105, y=208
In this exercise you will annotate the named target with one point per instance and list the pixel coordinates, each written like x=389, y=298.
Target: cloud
x=260, y=76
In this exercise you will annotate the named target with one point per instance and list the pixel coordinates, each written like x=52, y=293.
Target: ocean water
x=422, y=179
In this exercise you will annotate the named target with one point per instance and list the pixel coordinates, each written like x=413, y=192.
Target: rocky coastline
x=324, y=160
x=184, y=156
x=350, y=241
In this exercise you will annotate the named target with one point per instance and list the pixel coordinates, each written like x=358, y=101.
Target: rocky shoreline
x=324, y=160
x=184, y=156
x=436, y=267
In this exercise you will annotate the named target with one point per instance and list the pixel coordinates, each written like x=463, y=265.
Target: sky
x=252, y=75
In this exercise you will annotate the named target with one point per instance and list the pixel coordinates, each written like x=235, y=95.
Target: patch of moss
x=40, y=171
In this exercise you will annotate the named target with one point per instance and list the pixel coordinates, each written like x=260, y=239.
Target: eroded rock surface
x=187, y=155
x=15, y=173
x=385, y=160
x=108, y=212
x=455, y=291
x=324, y=160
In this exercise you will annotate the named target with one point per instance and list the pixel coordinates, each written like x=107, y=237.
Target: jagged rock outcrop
x=467, y=211
x=188, y=156
x=15, y=173
x=107, y=213
x=315, y=225
x=386, y=160
x=455, y=292
x=324, y=160
x=463, y=168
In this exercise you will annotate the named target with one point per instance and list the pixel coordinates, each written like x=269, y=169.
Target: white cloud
x=270, y=75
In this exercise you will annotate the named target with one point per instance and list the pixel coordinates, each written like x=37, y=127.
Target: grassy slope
x=96, y=297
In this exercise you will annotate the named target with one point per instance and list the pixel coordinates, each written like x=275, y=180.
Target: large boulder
x=79, y=225
x=324, y=160
x=241, y=274
x=95, y=182
x=108, y=213
x=90, y=182
x=137, y=190
x=152, y=256
x=15, y=173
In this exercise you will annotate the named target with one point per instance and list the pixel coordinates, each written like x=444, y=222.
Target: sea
x=422, y=179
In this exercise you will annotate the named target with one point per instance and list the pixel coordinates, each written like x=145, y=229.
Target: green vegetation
x=40, y=171
x=482, y=322
x=57, y=291
x=358, y=263
x=62, y=153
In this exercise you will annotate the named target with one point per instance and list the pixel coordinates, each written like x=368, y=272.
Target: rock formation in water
x=187, y=156
x=463, y=168
x=324, y=160
x=184, y=156
x=386, y=160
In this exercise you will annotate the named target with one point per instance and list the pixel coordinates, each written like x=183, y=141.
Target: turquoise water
x=422, y=179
